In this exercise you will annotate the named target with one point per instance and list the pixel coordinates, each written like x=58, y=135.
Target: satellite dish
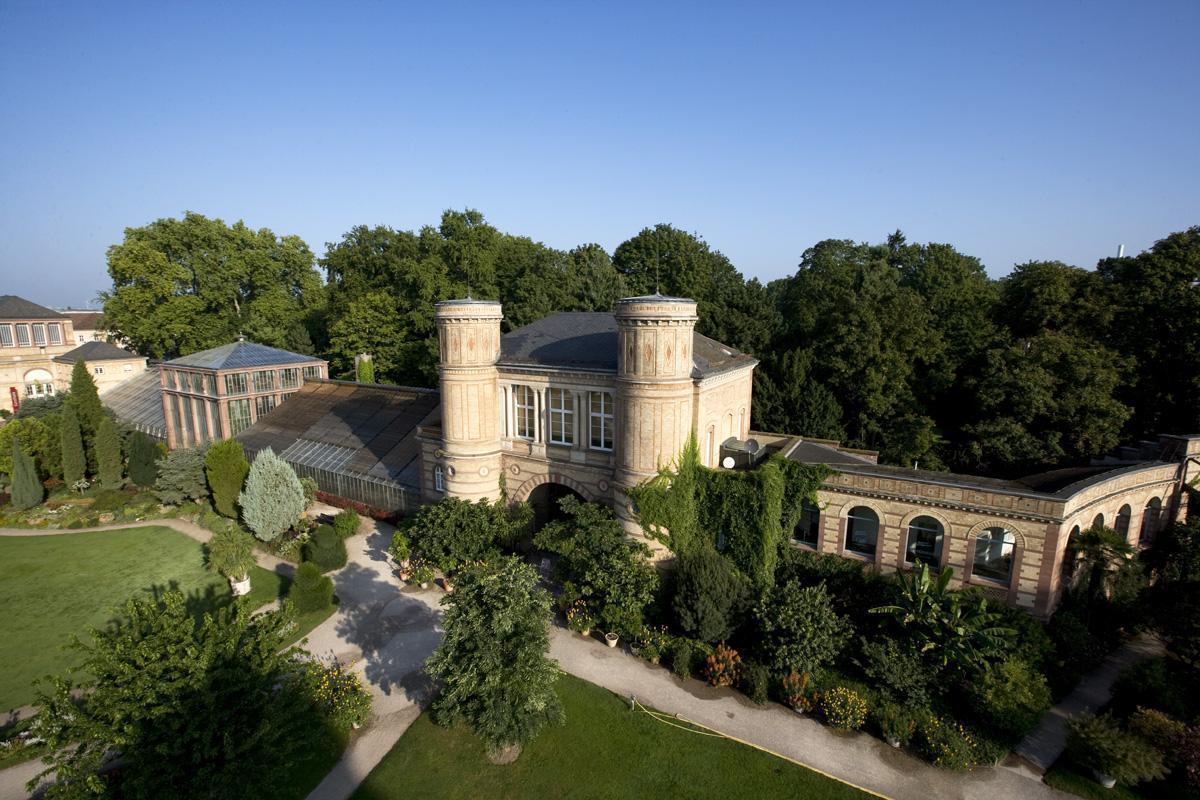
x=752, y=446
x=727, y=462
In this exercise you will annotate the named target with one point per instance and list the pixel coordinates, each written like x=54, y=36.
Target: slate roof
x=587, y=340
x=13, y=307
x=85, y=320
x=241, y=355
x=138, y=402
x=348, y=428
x=96, y=351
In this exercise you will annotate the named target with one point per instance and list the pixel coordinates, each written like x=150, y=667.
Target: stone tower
x=654, y=389
x=469, y=344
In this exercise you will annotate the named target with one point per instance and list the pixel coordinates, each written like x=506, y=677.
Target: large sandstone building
x=594, y=403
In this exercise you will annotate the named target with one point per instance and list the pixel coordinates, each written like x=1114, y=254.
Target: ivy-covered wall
x=744, y=514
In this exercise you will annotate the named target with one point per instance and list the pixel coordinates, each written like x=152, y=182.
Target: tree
x=85, y=399
x=109, y=463
x=606, y=570
x=951, y=629
x=74, y=462
x=27, y=490
x=181, y=476
x=800, y=630
x=226, y=467
x=183, y=285
x=1104, y=553
x=40, y=438
x=709, y=595
x=143, y=459
x=206, y=707
x=492, y=662
x=370, y=324
x=453, y=532
x=273, y=498
x=365, y=366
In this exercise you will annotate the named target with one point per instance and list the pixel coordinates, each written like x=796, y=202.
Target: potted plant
x=400, y=550
x=1113, y=755
x=896, y=723
x=611, y=639
x=231, y=553
x=580, y=618
x=422, y=573
x=797, y=692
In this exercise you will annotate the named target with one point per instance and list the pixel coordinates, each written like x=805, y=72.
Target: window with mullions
x=924, y=542
x=808, y=529
x=22, y=336
x=6, y=336
x=55, y=331
x=439, y=478
x=994, y=551
x=264, y=381
x=862, y=531
x=562, y=416
x=523, y=412
x=236, y=383
x=197, y=383
x=39, y=334
x=264, y=405
x=312, y=372
x=600, y=419
x=289, y=378
x=239, y=416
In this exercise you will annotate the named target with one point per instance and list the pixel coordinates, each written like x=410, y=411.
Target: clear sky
x=1013, y=130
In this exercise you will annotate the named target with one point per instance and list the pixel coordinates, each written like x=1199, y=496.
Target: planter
x=892, y=741
x=799, y=711
x=611, y=639
x=241, y=587
x=424, y=584
x=356, y=725
x=1107, y=781
x=586, y=632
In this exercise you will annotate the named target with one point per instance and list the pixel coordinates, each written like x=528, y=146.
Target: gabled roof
x=241, y=355
x=348, y=428
x=587, y=340
x=86, y=319
x=13, y=307
x=96, y=351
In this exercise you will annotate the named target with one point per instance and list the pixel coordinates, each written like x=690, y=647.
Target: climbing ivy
x=745, y=514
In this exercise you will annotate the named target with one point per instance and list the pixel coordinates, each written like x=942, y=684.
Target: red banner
x=16, y=398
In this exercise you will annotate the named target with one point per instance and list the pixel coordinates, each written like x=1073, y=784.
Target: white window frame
x=602, y=419
x=6, y=336
x=524, y=412
x=561, y=403
x=98, y=370
x=23, y=341
x=54, y=331
x=439, y=479
x=39, y=334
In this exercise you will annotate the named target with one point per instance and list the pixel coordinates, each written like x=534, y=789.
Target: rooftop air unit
x=736, y=454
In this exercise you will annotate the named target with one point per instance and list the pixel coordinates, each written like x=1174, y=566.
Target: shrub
x=311, y=591
x=338, y=694
x=309, y=486
x=756, y=681
x=1187, y=756
x=109, y=500
x=1161, y=683
x=1076, y=649
x=1099, y=744
x=945, y=742
x=1157, y=728
x=709, y=595
x=143, y=459
x=722, y=667
x=798, y=691
x=844, y=708
x=26, y=489
x=453, y=532
x=181, y=476
x=1009, y=696
x=109, y=464
x=399, y=549
x=579, y=617
x=272, y=500
x=420, y=572
x=346, y=523
x=896, y=670
x=800, y=629
x=681, y=657
x=231, y=553
x=326, y=549
x=226, y=467
x=896, y=721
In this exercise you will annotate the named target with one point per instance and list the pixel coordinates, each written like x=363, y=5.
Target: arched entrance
x=544, y=499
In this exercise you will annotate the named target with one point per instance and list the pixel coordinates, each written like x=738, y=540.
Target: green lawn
x=603, y=751
x=54, y=586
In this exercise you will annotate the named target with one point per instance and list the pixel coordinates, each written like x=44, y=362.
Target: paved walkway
x=1042, y=747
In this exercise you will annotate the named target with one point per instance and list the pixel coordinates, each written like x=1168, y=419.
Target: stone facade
x=31, y=336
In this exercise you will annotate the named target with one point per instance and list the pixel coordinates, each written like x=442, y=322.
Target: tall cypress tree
x=86, y=399
x=73, y=460
x=143, y=459
x=26, y=488
x=108, y=454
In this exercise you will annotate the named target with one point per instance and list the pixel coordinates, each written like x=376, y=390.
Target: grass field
x=603, y=751
x=54, y=586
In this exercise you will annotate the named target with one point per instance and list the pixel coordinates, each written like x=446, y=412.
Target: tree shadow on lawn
x=395, y=632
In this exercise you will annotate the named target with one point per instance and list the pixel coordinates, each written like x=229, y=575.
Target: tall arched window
x=1121, y=526
x=439, y=478
x=994, y=551
x=1071, y=554
x=862, y=531
x=1098, y=521
x=924, y=541
x=808, y=529
x=1150, y=520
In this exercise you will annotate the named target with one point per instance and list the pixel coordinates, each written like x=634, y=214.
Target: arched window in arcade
x=808, y=529
x=862, y=531
x=924, y=542
x=994, y=551
x=1071, y=554
x=1121, y=526
x=1098, y=521
x=1150, y=520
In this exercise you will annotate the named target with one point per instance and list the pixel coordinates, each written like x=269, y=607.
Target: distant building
x=218, y=393
x=110, y=365
x=88, y=324
x=31, y=336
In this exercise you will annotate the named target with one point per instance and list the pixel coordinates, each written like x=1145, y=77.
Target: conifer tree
x=226, y=467
x=26, y=488
x=73, y=460
x=273, y=499
x=86, y=400
x=143, y=459
x=108, y=454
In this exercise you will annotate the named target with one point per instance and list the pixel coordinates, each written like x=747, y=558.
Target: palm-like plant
x=950, y=628
x=1104, y=553
x=231, y=553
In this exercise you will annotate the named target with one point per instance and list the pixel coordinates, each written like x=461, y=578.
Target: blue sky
x=1012, y=130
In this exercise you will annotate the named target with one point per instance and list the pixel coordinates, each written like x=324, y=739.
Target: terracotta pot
x=611, y=639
